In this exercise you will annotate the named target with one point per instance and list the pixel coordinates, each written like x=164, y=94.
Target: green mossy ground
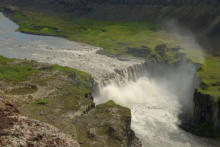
x=210, y=76
x=209, y=73
x=61, y=96
x=109, y=130
x=118, y=38
x=15, y=72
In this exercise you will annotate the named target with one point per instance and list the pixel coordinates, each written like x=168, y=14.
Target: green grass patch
x=209, y=73
x=196, y=55
x=16, y=73
x=21, y=91
x=4, y=60
x=81, y=79
x=53, y=109
x=104, y=110
x=210, y=76
x=116, y=37
x=40, y=102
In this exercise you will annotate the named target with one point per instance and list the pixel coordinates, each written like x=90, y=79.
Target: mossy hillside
x=210, y=76
x=81, y=79
x=40, y=101
x=22, y=90
x=104, y=110
x=208, y=73
x=116, y=37
x=4, y=60
x=27, y=77
x=59, y=108
x=61, y=96
x=15, y=72
x=49, y=94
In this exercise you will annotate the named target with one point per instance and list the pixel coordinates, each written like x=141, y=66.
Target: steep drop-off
x=160, y=105
x=60, y=96
x=206, y=115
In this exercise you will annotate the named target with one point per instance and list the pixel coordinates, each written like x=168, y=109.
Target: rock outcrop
x=206, y=115
x=17, y=130
x=59, y=96
x=112, y=130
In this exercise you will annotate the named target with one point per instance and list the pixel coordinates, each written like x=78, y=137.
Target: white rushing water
x=154, y=113
x=153, y=102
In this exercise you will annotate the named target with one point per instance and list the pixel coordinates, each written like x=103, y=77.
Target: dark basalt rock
x=206, y=115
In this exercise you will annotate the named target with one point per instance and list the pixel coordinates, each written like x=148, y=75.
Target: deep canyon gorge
x=160, y=96
x=113, y=73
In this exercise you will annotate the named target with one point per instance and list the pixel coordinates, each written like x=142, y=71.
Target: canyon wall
x=200, y=112
x=206, y=115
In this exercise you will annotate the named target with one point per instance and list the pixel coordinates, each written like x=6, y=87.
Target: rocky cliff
x=59, y=96
x=206, y=115
x=17, y=130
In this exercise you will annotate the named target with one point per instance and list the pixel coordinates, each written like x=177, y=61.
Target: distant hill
x=201, y=16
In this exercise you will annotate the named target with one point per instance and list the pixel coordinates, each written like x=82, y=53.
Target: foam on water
x=154, y=113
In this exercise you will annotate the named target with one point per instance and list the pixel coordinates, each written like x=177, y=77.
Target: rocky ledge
x=206, y=115
x=59, y=96
x=109, y=125
x=17, y=130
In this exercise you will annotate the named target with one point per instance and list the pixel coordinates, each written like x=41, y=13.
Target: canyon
x=113, y=80
x=169, y=92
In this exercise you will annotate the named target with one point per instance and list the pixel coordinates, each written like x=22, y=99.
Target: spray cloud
x=157, y=99
x=185, y=38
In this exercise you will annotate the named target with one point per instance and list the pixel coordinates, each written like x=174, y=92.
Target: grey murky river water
x=56, y=50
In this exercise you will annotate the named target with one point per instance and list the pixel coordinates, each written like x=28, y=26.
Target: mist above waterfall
x=185, y=38
x=162, y=83
x=161, y=98
x=156, y=100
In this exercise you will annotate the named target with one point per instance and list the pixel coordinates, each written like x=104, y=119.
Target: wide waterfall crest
x=156, y=101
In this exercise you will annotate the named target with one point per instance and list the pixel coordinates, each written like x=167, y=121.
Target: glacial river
x=154, y=102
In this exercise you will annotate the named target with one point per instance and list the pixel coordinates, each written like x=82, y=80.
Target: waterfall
x=121, y=76
x=157, y=95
